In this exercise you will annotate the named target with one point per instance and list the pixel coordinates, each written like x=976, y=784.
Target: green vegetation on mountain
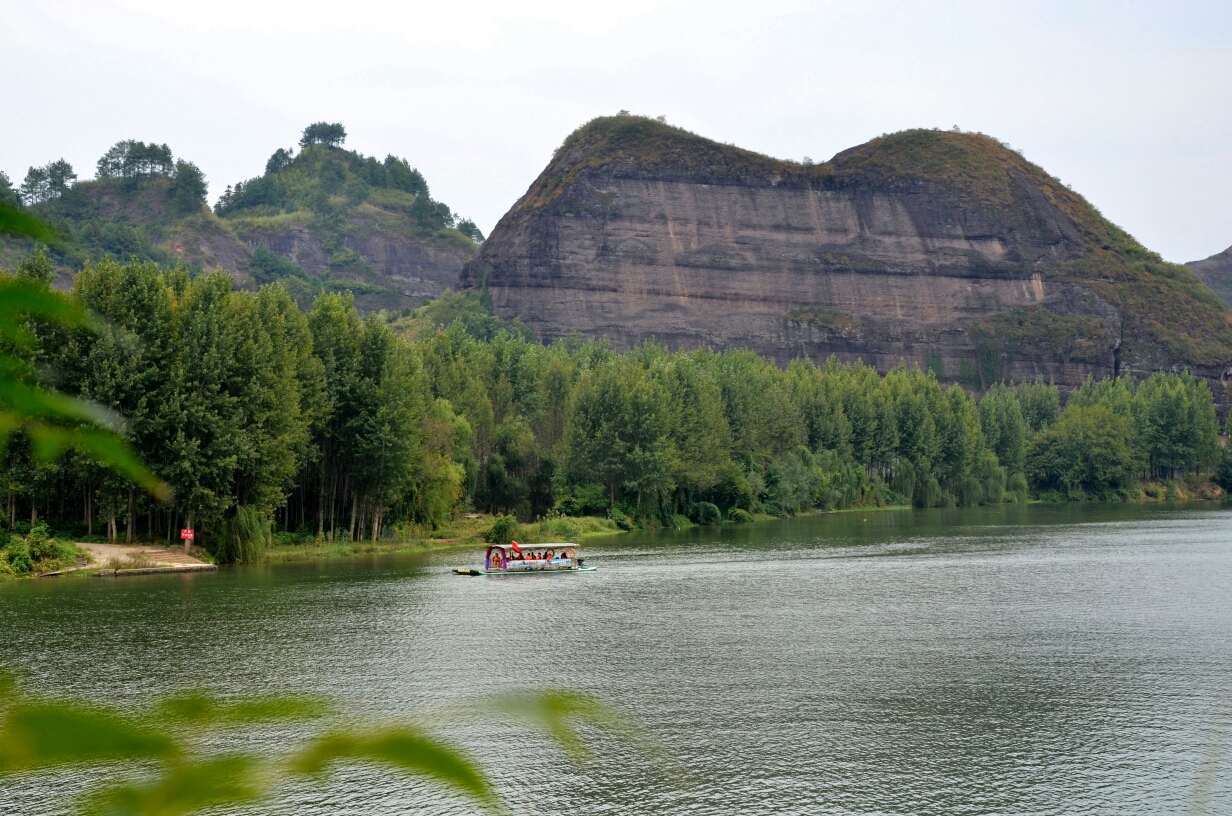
x=334, y=427
x=146, y=204
x=1170, y=318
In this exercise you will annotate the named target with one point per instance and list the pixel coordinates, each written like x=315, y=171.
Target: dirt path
x=138, y=554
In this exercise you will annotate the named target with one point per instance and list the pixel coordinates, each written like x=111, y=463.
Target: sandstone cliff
x=1216, y=272
x=942, y=249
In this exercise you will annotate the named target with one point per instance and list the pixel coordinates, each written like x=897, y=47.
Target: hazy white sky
x=1129, y=102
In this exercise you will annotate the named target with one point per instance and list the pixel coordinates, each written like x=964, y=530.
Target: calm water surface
x=1039, y=660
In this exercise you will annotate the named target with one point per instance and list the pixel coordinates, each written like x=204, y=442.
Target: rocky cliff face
x=1216, y=273
x=384, y=269
x=392, y=271
x=945, y=250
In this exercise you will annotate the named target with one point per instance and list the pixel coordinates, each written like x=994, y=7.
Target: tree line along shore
x=276, y=426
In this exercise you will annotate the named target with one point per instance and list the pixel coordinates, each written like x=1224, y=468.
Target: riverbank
x=465, y=532
x=48, y=557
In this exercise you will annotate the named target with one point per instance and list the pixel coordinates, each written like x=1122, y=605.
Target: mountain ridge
x=638, y=229
x=1216, y=273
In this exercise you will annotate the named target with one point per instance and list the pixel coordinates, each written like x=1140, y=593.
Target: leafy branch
x=53, y=422
x=40, y=733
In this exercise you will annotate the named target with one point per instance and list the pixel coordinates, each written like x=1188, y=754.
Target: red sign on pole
x=186, y=534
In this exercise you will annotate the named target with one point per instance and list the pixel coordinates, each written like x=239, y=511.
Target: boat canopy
x=550, y=545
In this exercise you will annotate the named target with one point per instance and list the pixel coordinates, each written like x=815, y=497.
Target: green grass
x=243, y=223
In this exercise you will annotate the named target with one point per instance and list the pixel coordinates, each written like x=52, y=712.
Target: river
x=1040, y=659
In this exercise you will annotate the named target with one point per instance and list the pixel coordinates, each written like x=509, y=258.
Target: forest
x=328, y=425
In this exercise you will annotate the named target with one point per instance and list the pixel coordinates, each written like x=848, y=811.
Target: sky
x=1128, y=102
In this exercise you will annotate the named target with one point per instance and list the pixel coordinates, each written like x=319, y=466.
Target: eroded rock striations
x=942, y=249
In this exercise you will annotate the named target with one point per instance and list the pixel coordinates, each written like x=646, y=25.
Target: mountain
x=1216, y=272
x=323, y=219
x=939, y=248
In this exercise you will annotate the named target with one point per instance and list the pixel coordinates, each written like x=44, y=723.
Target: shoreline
x=286, y=553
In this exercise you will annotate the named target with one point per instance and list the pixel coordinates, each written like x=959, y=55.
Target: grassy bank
x=39, y=552
x=462, y=533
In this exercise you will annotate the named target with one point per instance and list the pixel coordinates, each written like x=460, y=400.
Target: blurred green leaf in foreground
x=177, y=775
x=53, y=422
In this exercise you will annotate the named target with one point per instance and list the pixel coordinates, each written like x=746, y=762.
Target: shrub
x=739, y=516
x=622, y=521
x=41, y=545
x=564, y=528
x=904, y=480
x=357, y=191
x=19, y=557
x=244, y=537
x=708, y=513
x=503, y=530
x=1017, y=487
x=267, y=267
x=928, y=492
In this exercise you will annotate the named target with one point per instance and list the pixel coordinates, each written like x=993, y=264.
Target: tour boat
x=511, y=559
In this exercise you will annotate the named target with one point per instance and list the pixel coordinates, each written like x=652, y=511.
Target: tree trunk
x=321, y=505
x=354, y=509
x=132, y=516
x=111, y=520
x=333, y=505
x=376, y=523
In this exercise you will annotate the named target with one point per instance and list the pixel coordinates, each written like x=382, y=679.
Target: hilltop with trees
x=325, y=219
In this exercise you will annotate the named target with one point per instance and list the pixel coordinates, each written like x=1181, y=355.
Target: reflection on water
x=1019, y=660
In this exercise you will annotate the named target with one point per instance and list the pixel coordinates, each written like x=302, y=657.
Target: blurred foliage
x=51, y=422
x=179, y=774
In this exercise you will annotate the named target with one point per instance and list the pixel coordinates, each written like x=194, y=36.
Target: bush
x=19, y=558
x=244, y=537
x=739, y=516
x=357, y=191
x=503, y=530
x=267, y=267
x=582, y=500
x=41, y=545
x=622, y=521
x=1017, y=487
x=928, y=492
x=564, y=528
x=289, y=539
x=708, y=513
